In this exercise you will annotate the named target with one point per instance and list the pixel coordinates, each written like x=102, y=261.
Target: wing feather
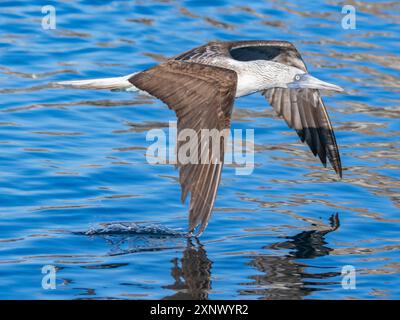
x=202, y=97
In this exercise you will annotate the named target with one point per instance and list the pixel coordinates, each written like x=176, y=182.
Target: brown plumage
x=202, y=97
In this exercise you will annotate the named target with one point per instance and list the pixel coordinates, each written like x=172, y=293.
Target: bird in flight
x=201, y=85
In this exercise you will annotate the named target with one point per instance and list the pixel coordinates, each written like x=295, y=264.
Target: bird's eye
x=297, y=77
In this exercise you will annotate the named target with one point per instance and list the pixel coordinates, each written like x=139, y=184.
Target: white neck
x=253, y=76
x=257, y=75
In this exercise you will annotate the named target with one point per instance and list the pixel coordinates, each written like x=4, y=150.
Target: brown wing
x=205, y=52
x=302, y=109
x=202, y=97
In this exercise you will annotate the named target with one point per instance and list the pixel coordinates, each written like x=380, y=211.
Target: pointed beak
x=310, y=82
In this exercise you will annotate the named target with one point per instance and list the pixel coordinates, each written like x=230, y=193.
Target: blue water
x=77, y=193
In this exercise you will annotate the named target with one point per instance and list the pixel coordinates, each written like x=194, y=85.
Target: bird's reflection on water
x=308, y=244
x=285, y=278
x=282, y=276
x=193, y=277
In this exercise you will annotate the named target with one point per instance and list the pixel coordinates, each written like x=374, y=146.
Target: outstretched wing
x=302, y=109
x=202, y=97
x=305, y=112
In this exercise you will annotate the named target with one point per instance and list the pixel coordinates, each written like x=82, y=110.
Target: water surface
x=77, y=193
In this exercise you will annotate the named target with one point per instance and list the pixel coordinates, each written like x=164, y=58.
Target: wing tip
x=337, y=166
x=339, y=172
x=200, y=228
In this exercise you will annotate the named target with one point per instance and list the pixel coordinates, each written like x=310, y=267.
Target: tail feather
x=116, y=83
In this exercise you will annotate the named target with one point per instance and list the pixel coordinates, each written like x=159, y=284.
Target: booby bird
x=201, y=85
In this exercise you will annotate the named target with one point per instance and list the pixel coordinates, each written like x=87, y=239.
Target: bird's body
x=201, y=85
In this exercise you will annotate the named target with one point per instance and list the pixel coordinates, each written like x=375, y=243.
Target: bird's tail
x=116, y=83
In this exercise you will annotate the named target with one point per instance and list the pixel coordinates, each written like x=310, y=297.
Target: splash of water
x=131, y=228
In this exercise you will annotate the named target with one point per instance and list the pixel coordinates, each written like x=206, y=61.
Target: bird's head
x=295, y=78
